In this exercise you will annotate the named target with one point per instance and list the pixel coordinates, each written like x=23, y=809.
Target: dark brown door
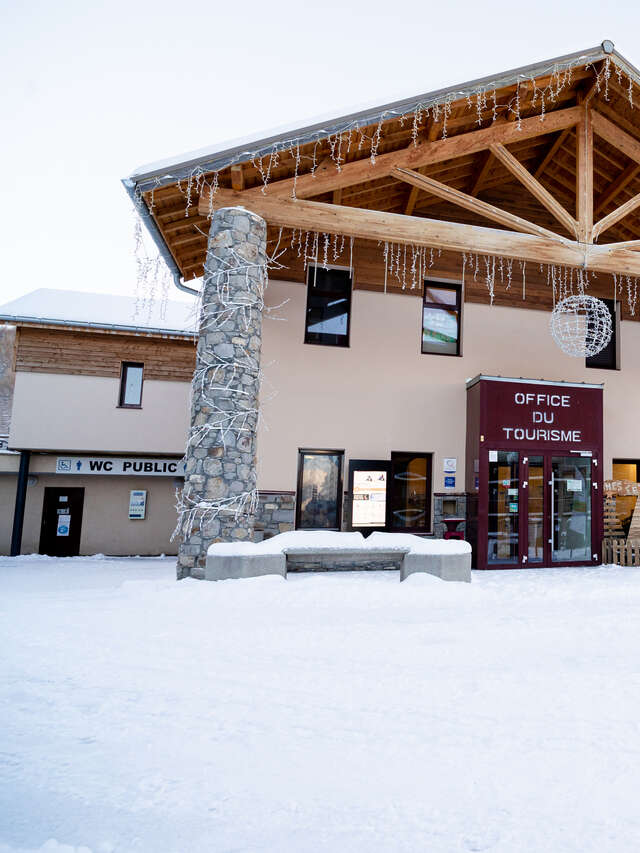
x=61, y=522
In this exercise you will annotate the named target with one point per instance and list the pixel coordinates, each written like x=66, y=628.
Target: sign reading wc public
x=127, y=465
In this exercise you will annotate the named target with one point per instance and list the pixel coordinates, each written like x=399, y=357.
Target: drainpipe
x=21, y=497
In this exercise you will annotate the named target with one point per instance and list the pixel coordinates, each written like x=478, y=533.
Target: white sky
x=90, y=92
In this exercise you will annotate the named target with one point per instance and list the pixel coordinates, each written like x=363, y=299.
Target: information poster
x=64, y=523
x=369, y=499
x=137, y=504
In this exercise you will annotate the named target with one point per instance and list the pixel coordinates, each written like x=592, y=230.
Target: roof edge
x=16, y=319
x=164, y=172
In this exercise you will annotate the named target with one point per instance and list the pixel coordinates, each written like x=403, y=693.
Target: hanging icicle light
x=581, y=325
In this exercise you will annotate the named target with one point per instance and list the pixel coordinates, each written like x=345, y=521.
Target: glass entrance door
x=539, y=509
x=503, y=533
x=570, y=509
x=535, y=511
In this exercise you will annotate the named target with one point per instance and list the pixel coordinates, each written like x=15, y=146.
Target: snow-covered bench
x=311, y=550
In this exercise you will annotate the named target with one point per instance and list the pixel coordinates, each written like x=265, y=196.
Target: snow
x=417, y=544
x=328, y=540
x=102, y=309
x=329, y=712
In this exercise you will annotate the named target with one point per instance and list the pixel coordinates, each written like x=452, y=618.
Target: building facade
x=98, y=417
x=409, y=380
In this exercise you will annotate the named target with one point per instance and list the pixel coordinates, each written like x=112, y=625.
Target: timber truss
x=560, y=188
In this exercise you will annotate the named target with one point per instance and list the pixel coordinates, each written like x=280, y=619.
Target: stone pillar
x=220, y=498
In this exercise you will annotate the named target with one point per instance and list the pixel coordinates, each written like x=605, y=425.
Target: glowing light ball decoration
x=581, y=325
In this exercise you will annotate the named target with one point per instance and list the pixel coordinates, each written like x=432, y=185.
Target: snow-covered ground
x=323, y=713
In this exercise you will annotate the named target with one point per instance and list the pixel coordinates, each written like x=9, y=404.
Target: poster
x=64, y=524
x=369, y=507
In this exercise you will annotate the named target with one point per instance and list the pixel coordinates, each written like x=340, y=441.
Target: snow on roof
x=222, y=154
x=101, y=310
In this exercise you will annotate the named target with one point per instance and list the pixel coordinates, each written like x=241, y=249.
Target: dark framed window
x=609, y=357
x=319, y=493
x=441, y=318
x=131, y=378
x=409, y=499
x=328, y=315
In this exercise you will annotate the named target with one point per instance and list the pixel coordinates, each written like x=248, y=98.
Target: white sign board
x=137, y=504
x=450, y=464
x=369, y=499
x=574, y=485
x=128, y=465
x=64, y=523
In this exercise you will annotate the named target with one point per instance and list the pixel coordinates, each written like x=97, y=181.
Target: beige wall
x=106, y=527
x=381, y=394
x=80, y=413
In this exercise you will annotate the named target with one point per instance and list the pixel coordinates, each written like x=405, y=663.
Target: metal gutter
x=158, y=239
x=81, y=324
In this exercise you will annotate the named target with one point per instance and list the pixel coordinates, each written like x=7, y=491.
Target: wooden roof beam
x=616, y=215
x=617, y=186
x=237, y=177
x=535, y=188
x=480, y=175
x=553, y=149
x=412, y=230
x=584, y=177
x=615, y=136
x=327, y=178
x=411, y=201
x=481, y=208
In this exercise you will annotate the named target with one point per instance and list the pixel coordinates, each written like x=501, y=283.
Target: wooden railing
x=621, y=552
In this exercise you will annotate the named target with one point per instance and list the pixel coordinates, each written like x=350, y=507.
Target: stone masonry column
x=219, y=499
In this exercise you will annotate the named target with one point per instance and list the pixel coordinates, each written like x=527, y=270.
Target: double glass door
x=539, y=511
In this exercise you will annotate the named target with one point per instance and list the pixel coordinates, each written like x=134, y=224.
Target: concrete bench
x=248, y=562
x=343, y=559
x=448, y=567
x=221, y=567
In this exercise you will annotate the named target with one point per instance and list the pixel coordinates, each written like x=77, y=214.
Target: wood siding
x=84, y=353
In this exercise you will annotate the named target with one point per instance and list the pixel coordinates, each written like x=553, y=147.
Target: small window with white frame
x=131, y=378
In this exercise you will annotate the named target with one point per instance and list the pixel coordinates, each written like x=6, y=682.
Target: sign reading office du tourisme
x=127, y=465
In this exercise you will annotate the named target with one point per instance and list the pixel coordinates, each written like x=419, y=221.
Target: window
x=609, y=357
x=441, y=315
x=319, y=495
x=328, y=307
x=131, y=385
x=410, y=492
x=629, y=470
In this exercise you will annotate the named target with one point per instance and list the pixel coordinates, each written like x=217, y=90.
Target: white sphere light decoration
x=581, y=325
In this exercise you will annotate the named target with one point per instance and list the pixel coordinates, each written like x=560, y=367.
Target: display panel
x=369, y=496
